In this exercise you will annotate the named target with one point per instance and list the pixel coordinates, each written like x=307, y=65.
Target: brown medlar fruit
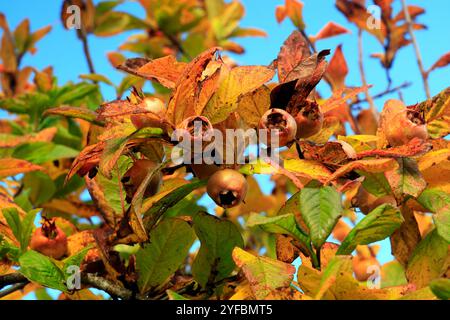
x=401, y=124
x=309, y=120
x=282, y=122
x=134, y=176
x=227, y=188
x=49, y=240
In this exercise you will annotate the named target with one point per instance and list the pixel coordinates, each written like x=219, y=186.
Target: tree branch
x=18, y=281
x=11, y=278
x=13, y=288
x=416, y=49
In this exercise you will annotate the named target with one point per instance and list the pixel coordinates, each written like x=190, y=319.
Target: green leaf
x=12, y=218
x=427, y=260
x=169, y=244
x=218, y=238
x=264, y=274
x=434, y=199
x=375, y=183
x=441, y=288
x=162, y=205
x=39, y=268
x=27, y=228
x=75, y=259
x=41, y=152
x=69, y=94
x=377, y=225
x=282, y=224
x=36, y=182
x=393, y=274
x=175, y=296
x=111, y=23
x=321, y=208
x=438, y=202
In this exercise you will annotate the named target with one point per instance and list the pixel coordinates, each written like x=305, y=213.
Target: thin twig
x=386, y=49
x=383, y=93
x=363, y=75
x=416, y=49
x=86, y=51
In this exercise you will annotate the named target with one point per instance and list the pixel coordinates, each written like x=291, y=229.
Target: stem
x=86, y=51
x=363, y=75
x=383, y=93
x=416, y=49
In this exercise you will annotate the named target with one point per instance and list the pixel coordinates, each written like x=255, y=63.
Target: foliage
x=102, y=171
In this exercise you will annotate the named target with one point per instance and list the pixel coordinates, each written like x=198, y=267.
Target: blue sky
x=63, y=50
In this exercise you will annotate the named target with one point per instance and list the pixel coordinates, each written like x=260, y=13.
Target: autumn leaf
x=331, y=29
x=12, y=167
x=263, y=274
x=337, y=69
x=166, y=70
x=252, y=105
x=441, y=62
x=195, y=87
x=234, y=83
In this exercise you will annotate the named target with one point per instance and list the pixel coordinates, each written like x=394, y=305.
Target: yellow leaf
x=234, y=83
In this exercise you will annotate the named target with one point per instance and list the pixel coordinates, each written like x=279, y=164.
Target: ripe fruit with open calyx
x=400, y=124
x=198, y=127
x=134, y=176
x=309, y=120
x=283, y=122
x=49, y=240
x=227, y=188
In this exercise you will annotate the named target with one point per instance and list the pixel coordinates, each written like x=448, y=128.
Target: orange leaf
x=189, y=96
x=442, y=62
x=337, y=69
x=12, y=167
x=331, y=29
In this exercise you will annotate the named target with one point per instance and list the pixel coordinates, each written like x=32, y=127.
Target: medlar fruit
x=362, y=267
x=309, y=120
x=49, y=240
x=134, y=176
x=283, y=122
x=401, y=124
x=154, y=118
x=227, y=188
